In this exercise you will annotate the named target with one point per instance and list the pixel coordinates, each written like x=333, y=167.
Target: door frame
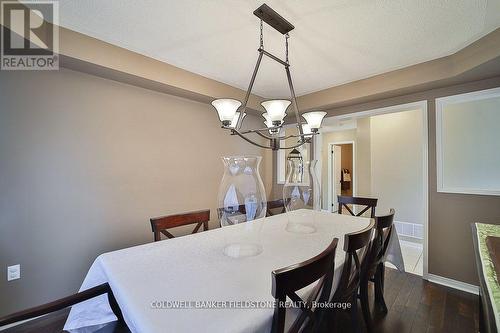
x=421, y=105
x=330, y=169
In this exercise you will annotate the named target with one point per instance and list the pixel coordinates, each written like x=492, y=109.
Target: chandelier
x=232, y=112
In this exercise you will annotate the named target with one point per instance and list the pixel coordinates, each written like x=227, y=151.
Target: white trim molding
x=459, y=285
x=440, y=104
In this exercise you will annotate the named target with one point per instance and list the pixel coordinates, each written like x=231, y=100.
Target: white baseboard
x=469, y=288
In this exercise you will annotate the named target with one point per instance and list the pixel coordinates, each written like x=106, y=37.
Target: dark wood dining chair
x=369, y=203
x=39, y=325
x=374, y=270
x=159, y=225
x=286, y=281
x=356, y=247
x=275, y=207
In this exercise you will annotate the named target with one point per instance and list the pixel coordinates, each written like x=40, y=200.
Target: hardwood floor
x=414, y=306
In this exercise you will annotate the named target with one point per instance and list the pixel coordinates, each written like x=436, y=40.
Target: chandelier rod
x=294, y=100
x=249, y=90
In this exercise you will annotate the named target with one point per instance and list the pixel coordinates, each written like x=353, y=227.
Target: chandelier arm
x=249, y=90
x=250, y=141
x=259, y=130
x=264, y=136
x=294, y=99
x=273, y=146
x=302, y=136
x=295, y=146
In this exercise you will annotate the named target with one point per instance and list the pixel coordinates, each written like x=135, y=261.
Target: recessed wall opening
x=381, y=154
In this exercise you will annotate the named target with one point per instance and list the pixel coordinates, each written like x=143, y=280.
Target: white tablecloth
x=194, y=268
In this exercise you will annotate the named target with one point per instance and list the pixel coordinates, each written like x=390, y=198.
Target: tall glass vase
x=241, y=200
x=301, y=194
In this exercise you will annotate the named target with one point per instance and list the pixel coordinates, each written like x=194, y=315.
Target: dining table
x=191, y=284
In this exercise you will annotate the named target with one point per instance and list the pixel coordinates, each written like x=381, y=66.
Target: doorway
x=391, y=159
x=341, y=171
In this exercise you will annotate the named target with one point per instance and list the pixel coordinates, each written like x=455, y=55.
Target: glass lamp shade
x=226, y=108
x=306, y=129
x=276, y=109
x=314, y=119
x=235, y=119
x=268, y=121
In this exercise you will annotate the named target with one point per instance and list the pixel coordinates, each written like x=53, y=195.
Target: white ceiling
x=334, y=41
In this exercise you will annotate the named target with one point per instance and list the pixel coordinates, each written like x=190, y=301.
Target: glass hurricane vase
x=301, y=194
x=242, y=200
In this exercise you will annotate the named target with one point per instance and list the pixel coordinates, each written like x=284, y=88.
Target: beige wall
x=85, y=162
x=363, y=157
x=397, y=164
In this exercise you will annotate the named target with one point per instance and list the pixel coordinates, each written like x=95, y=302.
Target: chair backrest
x=370, y=203
x=356, y=247
x=286, y=281
x=275, y=204
x=380, y=242
x=64, y=303
x=159, y=225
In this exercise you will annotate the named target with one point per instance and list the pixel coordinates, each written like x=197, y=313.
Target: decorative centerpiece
x=301, y=194
x=241, y=200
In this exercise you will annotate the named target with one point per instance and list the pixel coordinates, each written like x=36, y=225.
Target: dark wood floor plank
x=403, y=296
x=393, y=286
x=423, y=311
x=437, y=303
x=416, y=292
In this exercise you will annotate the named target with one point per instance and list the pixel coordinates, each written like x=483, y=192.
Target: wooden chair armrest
x=64, y=303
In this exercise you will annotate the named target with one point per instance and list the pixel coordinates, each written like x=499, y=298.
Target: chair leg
x=354, y=314
x=382, y=275
x=331, y=320
x=365, y=305
x=321, y=322
x=379, y=288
